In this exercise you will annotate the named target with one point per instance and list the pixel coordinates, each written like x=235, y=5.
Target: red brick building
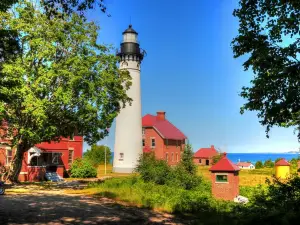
x=54, y=157
x=225, y=179
x=163, y=138
x=204, y=156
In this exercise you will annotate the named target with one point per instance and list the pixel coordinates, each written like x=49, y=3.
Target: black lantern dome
x=130, y=48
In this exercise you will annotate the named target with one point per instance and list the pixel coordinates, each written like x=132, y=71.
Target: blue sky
x=190, y=72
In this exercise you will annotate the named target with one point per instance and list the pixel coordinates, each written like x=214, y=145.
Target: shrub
x=186, y=162
x=81, y=168
x=96, y=155
x=269, y=163
x=181, y=178
x=259, y=165
x=152, y=169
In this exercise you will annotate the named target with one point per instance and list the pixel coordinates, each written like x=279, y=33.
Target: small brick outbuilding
x=225, y=179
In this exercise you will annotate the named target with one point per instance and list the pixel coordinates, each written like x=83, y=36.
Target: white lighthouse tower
x=128, y=135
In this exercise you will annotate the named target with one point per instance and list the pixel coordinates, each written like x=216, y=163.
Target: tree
x=62, y=81
x=96, y=155
x=259, y=165
x=269, y=163
x=186, y=161
x=269, y=37
x=216, y=158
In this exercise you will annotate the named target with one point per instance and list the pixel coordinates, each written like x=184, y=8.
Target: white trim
x=220, y=182
x=23, y=172
x=152, y=138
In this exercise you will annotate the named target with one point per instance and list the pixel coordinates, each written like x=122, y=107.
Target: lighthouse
x=128, y=134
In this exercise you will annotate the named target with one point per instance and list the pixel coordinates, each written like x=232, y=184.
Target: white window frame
x=151, y=139
x=222, y=174
x=6, y=154
x=55, y=156
x=143, y=131
x=72, y=157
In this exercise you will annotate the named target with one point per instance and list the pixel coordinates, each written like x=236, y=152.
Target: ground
x=51, y=204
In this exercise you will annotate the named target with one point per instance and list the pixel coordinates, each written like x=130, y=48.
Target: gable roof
x=224, y=165
x=206, y=153
x=282, y=162
x=244, y=164
x=165, y=129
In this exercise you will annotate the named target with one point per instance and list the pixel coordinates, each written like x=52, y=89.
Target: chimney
x=161, y=115
x=212, y=146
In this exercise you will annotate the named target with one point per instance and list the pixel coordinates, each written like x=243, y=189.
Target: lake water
x=254, y=157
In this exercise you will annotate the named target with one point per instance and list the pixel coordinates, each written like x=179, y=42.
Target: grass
x=109, y=172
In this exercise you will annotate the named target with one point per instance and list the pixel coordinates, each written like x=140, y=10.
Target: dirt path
x=56, y=207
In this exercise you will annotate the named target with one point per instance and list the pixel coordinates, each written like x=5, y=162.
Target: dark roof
x=224, y=165
x=206, y=153
x=282, y=162
x=130, y=30
x=165, y=129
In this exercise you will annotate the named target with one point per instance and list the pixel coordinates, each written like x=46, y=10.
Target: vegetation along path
x=32, y=204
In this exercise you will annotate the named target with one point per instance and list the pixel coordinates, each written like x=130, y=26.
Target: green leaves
x=62, y=81
x=269, y=34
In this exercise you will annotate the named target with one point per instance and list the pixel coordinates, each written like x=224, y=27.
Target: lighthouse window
x=143, y=131
x=222, y=178
x=143, y=142
x=121, y=156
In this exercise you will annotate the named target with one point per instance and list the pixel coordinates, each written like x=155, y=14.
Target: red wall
x=162, y=147
x=226, y=191
x=203, y=161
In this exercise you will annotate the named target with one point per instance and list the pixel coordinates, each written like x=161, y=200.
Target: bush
x=81, y=168
x=159, y=172
x=153, y=170
x=96, y=155
x=180, y=178
x=259, y=165
x=269, y=163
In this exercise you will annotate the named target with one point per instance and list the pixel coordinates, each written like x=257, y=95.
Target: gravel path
x=55, y=207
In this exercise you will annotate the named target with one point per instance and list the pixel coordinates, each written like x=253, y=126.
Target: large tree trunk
x=16, y=165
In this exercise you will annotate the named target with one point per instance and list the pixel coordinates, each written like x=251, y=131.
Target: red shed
x=225, y=179
x=204, y=156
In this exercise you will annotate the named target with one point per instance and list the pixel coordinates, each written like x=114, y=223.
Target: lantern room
x=225, y=179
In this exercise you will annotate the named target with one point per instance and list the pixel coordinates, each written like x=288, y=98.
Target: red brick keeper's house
x=163, y=138
x=54, y=157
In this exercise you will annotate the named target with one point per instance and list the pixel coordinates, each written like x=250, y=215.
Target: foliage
x=159, y=172
x=63, y=81
x=181, y=178
x=81, y=168
x=269, y=37
x=269, y=163
x=277, y=204
x=186, y=161
x=152, y=169
x=217, y=158
x=259, y=165
x=96, y=155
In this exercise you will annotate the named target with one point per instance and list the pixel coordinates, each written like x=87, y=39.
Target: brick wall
x=202, y=161
x=225, y=191
x=163, y=148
